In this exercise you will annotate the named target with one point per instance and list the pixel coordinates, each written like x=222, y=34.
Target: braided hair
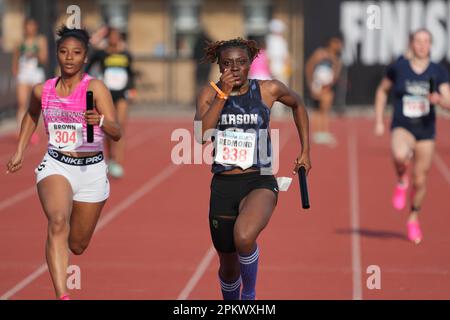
x=214, y=49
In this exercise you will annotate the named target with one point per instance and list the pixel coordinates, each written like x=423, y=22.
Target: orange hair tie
x=220, y=93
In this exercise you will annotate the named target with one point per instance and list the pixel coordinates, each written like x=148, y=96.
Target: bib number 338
x=235, y=148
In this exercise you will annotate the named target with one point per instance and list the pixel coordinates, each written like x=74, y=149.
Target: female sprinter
x=413, y=127
x=244, y=191
x=29, y=59
x=71, y=179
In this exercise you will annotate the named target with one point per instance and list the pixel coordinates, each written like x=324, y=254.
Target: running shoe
x=325, y=138
x=399, y=197
x=414, y=232
x=115, y=170
x=35, y=138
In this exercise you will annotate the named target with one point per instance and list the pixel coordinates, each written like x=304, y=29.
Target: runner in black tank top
x=243, y=190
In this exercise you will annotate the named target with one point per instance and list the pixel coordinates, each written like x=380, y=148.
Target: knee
x=77, y=248
x=419, y=180
x=58, y=225
x=401, y=158
x=244, y=241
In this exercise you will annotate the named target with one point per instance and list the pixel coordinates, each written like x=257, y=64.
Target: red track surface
x=153, y=241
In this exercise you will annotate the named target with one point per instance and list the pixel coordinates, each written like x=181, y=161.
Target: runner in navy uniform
x=243, y=190
x=413, y=127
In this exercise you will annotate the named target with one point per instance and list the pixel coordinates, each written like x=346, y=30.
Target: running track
x=153, y=240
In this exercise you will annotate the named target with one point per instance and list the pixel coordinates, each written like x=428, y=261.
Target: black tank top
x=248, y=113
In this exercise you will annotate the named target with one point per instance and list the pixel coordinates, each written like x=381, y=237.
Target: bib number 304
x=65, y=136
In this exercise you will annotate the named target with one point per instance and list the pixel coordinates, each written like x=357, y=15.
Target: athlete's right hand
x=379, y=129
x=227, y=81
x=15, y=163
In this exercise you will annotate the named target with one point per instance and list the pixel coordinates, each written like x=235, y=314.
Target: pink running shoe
x=65, y=297
x=34, y=138
x=399, y=197
x=414, y=232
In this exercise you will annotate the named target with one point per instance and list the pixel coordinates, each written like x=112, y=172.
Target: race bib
x=235, y=148
x=415, y=106
x=65, y=136
x=115, y=78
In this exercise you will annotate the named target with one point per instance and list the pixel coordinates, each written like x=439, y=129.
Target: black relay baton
x=90, y=106
x=303, y=187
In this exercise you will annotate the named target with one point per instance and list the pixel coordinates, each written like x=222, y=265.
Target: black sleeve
x=130, y=72
x=442, y=75
x=391, y=72
x=95, y=57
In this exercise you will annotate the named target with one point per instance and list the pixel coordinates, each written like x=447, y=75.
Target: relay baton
x=303, y=187
x=90, y=106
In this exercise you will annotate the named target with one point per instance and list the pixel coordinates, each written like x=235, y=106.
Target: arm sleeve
x=442, y=75
x=391, y=72
x=130, y=72
x=95, y=57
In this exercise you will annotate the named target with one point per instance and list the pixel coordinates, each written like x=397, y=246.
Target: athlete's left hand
x=434, y=98
x=92, y=117
x=303, y=160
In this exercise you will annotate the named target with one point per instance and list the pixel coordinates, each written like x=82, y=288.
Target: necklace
x=237, y=93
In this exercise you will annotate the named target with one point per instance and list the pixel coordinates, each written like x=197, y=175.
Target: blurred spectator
x=202, y=70
x=278, y=52
x=322, y=70
x=29, y=58
x=279, y=60
x=116, y=65
x=260, y=68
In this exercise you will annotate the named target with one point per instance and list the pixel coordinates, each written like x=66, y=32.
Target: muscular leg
x=55, y=194
x=23, y=91
x=326, y=102
x=254, y=215
x=423, y=156
x=229, y=272
x=402, y=146
x=83, y=220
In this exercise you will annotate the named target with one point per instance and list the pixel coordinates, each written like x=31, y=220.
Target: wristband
x=100, y=124
x=220, y=93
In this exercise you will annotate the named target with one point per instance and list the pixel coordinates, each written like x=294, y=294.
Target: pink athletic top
x=64, y=118
x=260, y=67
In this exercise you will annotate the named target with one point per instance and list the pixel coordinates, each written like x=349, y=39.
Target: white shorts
x=89, y=181
x=31, y=77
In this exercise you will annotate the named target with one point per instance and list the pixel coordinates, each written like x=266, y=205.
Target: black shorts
x=419, y=132
x=227, y=190
x=117, y=95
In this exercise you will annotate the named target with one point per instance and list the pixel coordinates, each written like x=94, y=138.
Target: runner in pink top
x=71, y=178
x=260, y=67
x=64, y=118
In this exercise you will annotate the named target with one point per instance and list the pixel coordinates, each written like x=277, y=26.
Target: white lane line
x=113, y=213
x=440, y=164
x=354, y=216
x=209, y=255
x=17, y=198
x=198, y=274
